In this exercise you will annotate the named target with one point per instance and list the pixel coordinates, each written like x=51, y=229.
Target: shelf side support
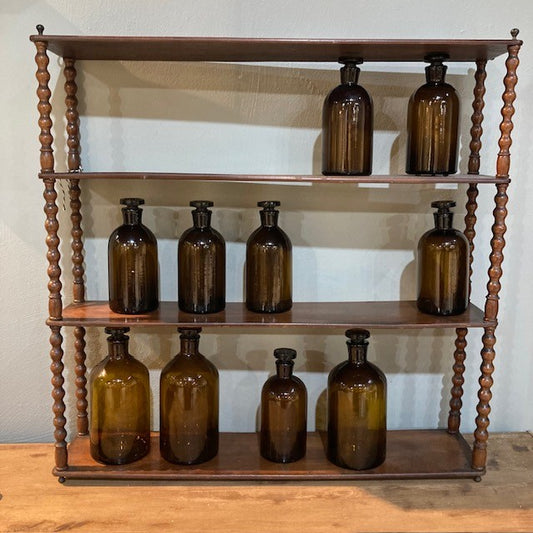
x=81, y=381
x=44, y=107
x=479, y=456
x=456, y=402
x=476, y=131
x=58, y=393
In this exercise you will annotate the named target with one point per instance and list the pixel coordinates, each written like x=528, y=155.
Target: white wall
x=349, y=242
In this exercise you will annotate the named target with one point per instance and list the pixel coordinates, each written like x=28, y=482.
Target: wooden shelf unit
x=410, y=454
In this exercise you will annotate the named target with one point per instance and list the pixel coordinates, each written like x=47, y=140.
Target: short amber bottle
x=132, y=263
x=443, y=266
x=201, y=264
x=268, y=264
x=283, y=412
x=433, y=123
x=119, y=416
x=357, y=410
x=189, y=404
x=347, y=126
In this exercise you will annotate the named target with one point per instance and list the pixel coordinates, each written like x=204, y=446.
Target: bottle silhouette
x=443, y=266
x=357, y=427
x=132, y=263
x=283, y=412
x=432, y=123
x=189, y=404
x=201, y=264
x=268, y=264
x=120, y=404
x=347, y=126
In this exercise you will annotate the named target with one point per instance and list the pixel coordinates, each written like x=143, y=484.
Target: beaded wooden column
x=52, y=241
x=479, y=455
x=78, y=288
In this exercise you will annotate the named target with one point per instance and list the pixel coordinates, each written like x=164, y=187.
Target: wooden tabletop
x=31, y=499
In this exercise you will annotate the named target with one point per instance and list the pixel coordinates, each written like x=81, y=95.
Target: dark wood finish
x=504, y=156
x=477, y=117
x=470, y=227
x=244, y=49
x=81, y=381
x=72, y=116
x=479, y=456
x=410, y=455
x=58, y=393
x=395, y=314
x=456, y=178
x=454, y=418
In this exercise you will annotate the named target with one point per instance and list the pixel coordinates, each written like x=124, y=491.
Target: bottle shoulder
x=291, y=386
x=201, y=237
x=348, y=374
x=435, y=91
x=269, y=236
x=442, y=237
x=348, y=93
x=132, y=234
x=190, y=365
x=124, y=370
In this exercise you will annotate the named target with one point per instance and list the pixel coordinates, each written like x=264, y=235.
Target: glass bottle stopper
x=357, y=336
x=201, y=205
x=189, y=333
x=443, y=206
x=132, y=202
x=117, y=333
x=269, y=205
x=350, y=71
x=284, y=355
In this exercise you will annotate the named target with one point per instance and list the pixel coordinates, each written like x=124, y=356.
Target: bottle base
x=333, y=173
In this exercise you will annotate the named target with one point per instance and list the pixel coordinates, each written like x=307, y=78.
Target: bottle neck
x=349, y=74
x=436, y=73
x=131, y=216
x=269, y=218
x=201, y=219
x=118, y=349
x=284, y=369
x=189, y=346
x=443, y=220
x=357, y=353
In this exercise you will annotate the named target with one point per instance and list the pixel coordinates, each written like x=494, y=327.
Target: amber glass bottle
x=268, y=264
x=347, y=126
x=432, y=124
x=357, y=411
x=120, y=404
x=201, y=264
x=443, y=266
x=283, y=412
x=132, y=263
x=189, y=404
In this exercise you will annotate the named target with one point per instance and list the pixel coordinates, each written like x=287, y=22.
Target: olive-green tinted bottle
x=443, y=266
x=132, y=263
x=347, y=126
x=283, y=412
x=120, y=404
x=432, y=124
x=189, y=404
x=201, y=264
x=268, y=264
x=357, y=410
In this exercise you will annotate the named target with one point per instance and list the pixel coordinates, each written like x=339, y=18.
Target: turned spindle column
x=456, y=402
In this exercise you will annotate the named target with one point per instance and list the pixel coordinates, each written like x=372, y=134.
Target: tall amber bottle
x=201, y=264
x=432, y=123
x=119, y=404
x=443, y=266
x=347, y=126
x=268, y=264
x=283, y=412
x=357, y=410
x=189, y=404
x=132, y=263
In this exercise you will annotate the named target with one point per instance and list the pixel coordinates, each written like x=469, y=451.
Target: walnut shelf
x=411, y=454
x=379, y=315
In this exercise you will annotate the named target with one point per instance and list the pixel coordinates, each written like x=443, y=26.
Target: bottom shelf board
x=411, y=454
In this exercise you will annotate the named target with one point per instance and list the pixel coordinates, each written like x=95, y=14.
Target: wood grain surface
x=33, y=500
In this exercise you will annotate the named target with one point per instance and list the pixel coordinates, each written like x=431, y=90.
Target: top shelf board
x=244, y=50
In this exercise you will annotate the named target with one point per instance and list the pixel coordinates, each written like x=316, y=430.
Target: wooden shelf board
x=286, y=178
x=411, y=454
x=244, y=49
x=394, y=314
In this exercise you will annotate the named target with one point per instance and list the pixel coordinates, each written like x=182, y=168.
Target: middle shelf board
x=382, y=315
x=283, y=178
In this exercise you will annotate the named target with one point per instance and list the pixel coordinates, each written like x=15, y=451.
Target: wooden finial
x=514, y=33
x=40, y=29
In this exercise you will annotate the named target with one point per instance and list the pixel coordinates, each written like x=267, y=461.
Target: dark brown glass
x=189, y=404
x=433, y=123
x=283, y=412
x=132, y=263
x=201, y=264
x=268, y=264
x=443, y=266
x=120, y=404
x=357, y=408
x=347, y=126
